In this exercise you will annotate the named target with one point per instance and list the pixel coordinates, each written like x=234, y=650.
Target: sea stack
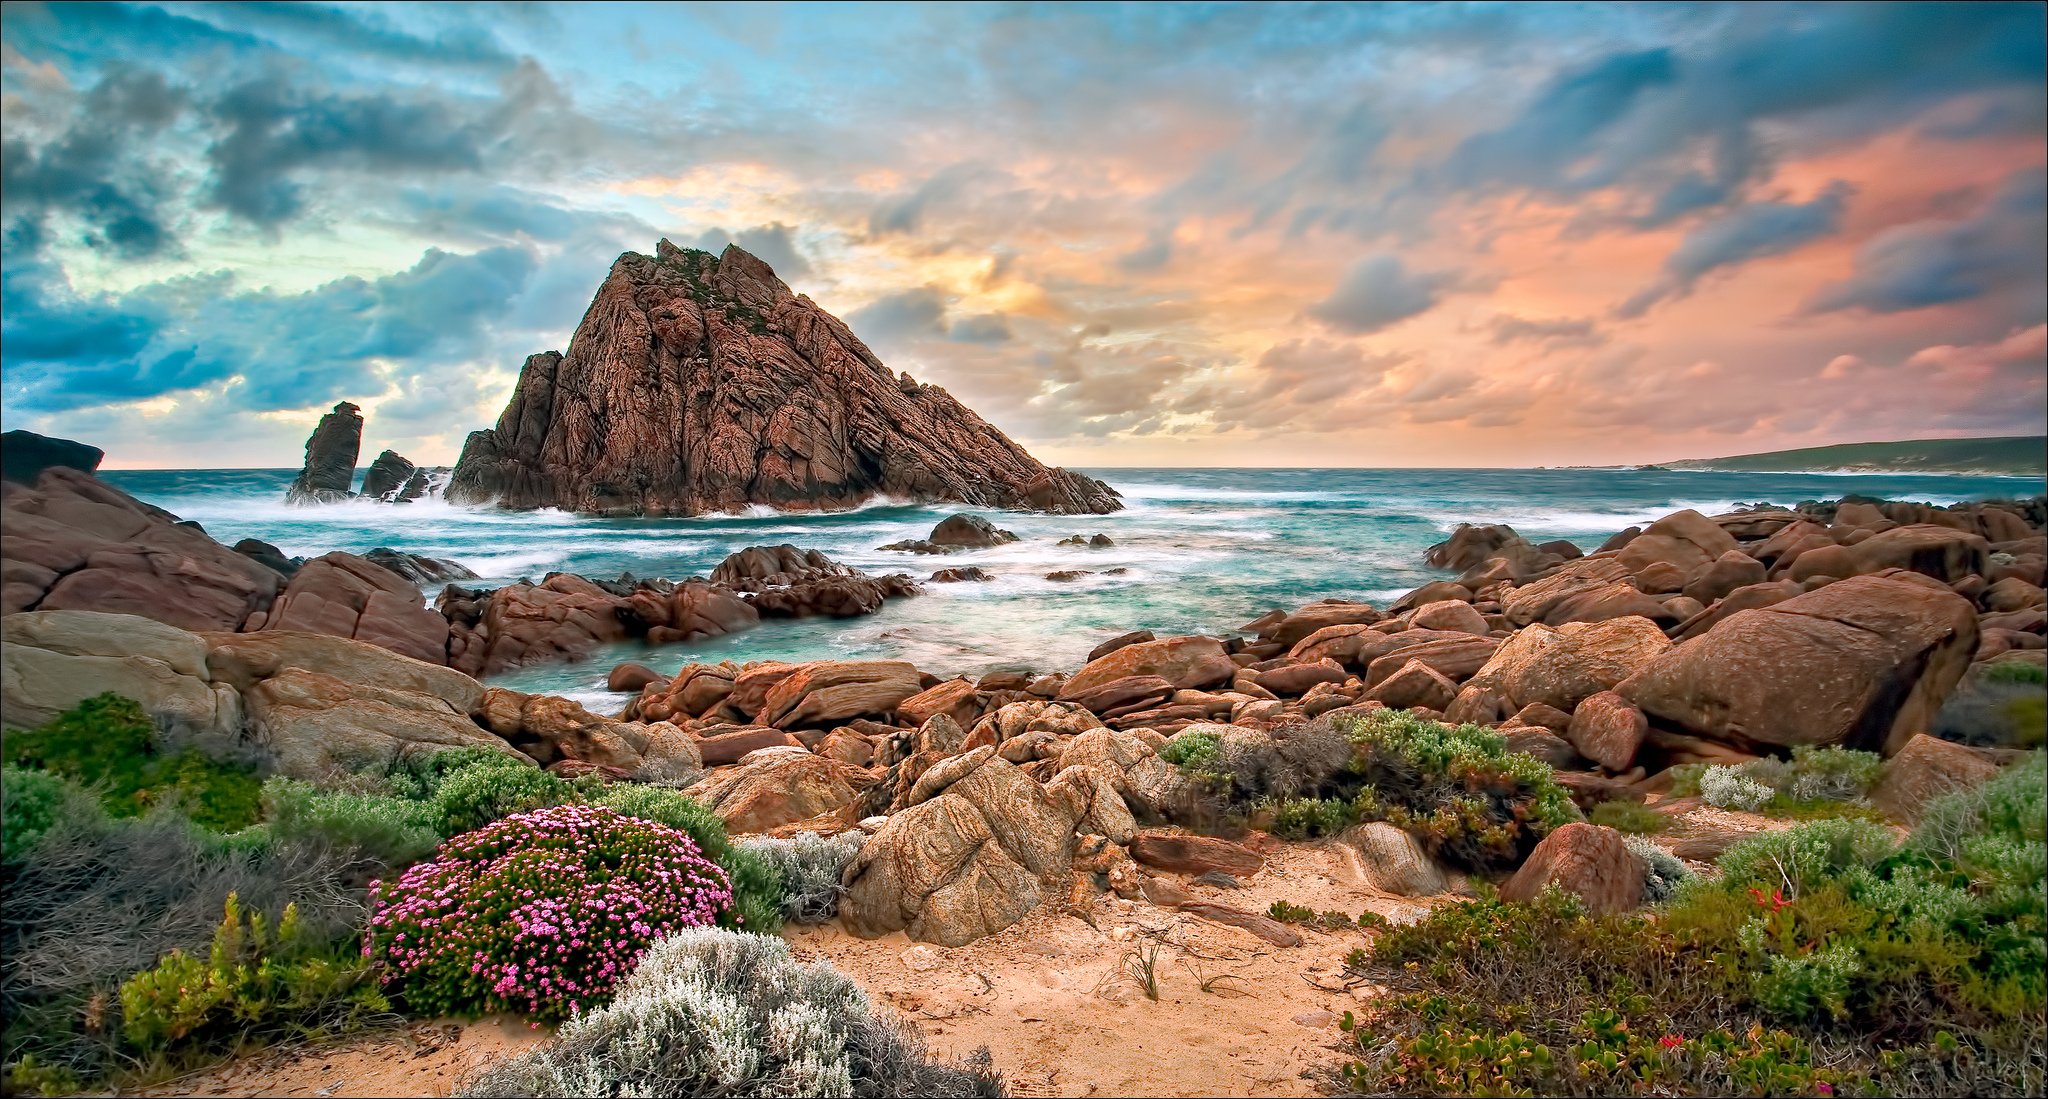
x=701, y=383
x=394, y=479
x=330, y=459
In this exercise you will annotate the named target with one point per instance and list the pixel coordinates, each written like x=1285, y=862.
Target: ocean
x=1205, y=550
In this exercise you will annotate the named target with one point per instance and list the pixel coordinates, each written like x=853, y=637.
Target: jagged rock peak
x=702, y=383
x=331, y=450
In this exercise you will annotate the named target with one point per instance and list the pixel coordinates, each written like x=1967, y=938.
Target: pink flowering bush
x=541, y=913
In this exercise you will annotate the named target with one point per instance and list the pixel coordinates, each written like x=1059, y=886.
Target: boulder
x=1186, y=662
x=24, y=455
x=1415, y=685
x=387, y=477
x=1535, y=602
x=1561, y=667
x=343, y=595
x=1316, y=616
x=1017, y=719
x=1685, y=540
x=1768, y=594
x=1297, y=678
x=1542, y=743
x=1393, y=861
x=414, y=568
x=1470, y=545
x=775, y=786
x=956, y=698
x=564, y=617
x=1187, y=854
x=1608, y=730
x=632, y=677
x=702, y=383
x=826, y=691
x=314, y=725
x=1728, y=572
x=1119, y=641
x=1940, y=552
x=1585, y=859
x=961, y=575
x=1449, y=614
x=969, y=532
x=1436, y=591
x=1130, y=764
x=967, y=863
x=1125, y=695
x=1925, y=769
x=552, y=729
x=1862, y=663
x=53, y=660
x=732, y=743
x=2013, y=594
x=1455, y=658
x=71, y=542
x=330, y=469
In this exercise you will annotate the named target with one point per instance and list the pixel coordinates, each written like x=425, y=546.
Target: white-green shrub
x=1665, y=870
x=716, y=1012
x=811, y=867
x=1729, y=788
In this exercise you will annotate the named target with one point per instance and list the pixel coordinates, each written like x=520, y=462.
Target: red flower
x=1671, y=1041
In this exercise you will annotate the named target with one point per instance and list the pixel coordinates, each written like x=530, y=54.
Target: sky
x=1160, y=234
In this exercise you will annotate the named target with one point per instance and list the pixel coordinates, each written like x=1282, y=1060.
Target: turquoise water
x=1206, y=550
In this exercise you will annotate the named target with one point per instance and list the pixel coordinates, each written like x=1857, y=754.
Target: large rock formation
x=394, y=479
x=331, y=450
x=24, y=455
x=698, y=383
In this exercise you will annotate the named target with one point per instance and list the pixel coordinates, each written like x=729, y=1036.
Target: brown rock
x=1535, y=740
x=1119, y=641
x=1454, y=658
x=956, y=698
x=699, y=384
x=1730, y=571
x=1944, y=554
x=1415, y=685
x=1586, y=859
x=1547, y=717
x=1754, y=596
x=730, y=744
x=1449, y=614
x=1188, y=854
x=1562, y=667
x=1686, y=540
x=345, y=596
x=826, y=691
x=1435, y=591
x=1862, y=663
x=330, y=469
x=632, y=677
x=1265, y=927
x=1469, y=545
x=1316, y=616
x=1185, y=662
x=1297, y=678
x=1125, y=695
x=774, y=786
x=2013, y=594
x=1925, y=769
x=1608, y=730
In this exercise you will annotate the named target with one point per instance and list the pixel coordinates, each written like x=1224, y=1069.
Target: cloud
x=89, y=169
x=1557, y=332
x=1377, y=292
x=896, y=321
x=1748, y=232
x=263, y=350
x=1929, y=263
x=775, y=243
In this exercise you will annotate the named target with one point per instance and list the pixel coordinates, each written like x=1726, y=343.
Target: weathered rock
x=731, y=744
x=693, y=610
x=1924, y=769
x=1265, y=927
x=699, y=384
x=968, y=532
x=1187, y=854
x=1561, y=667
x=939, y=734
x=1470, y=545
x=1940, y=552
x=632, y=677
x=1862, y=663
x=71, y=542
x=1608, y=730
x=1536, y=601
x=1537, y=741
x=387, y=476
x=826, y=691
x=562, y=618
x=1316, y=616
x=1186, y=662
x=412, y=567
x=1730, y=571
x=1125, y=695
x=53, y=660
x=330, y=469
x=1586, y=859
x=774, y=786
x=1768, y=594
x=269, y=556
x=24, y=455
x=956, y=698
x=786, y=582
x=551, y=729
x=955, y=576
x=694, y=692
x=1119, y=641
x=967, y=863
x=1393, y=861
x=1130, y=764
x=2013, y=594
x=1685, y=540
x=1455, y=658
x=1415, y=685
x=344, y=595
x=934, y=780
x=1436, y=591
x=1016, y=719
x=1449, y=614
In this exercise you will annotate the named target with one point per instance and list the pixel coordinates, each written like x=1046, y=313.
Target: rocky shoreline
x=1695, y=639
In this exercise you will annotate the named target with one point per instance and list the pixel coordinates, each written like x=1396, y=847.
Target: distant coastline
x=1998, y=456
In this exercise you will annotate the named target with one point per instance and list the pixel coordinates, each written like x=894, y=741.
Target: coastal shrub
x=109, y=745
x=1456, y=788
x=389, y=832
x=31, y=803
x=1631, y=817
x=541, y=912
x=419, y=777
x=1826, y=958
x=1666, y=872
x=257, y=982
x=810, y=867
x=1306, y=818
x=2003, y=705
x=97, y=899
x=711, y=1012
x=484, y=791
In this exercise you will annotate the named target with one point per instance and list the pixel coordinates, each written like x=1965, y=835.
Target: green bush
x=1825, y=958
x=1456, y=788
x=476, y=795
x=810, y=867
x=256, y=982
x=1306, y=818
x=2014, y=671
x=1631, y=817
x=1814, y=783
x=392, y=832
x=109, y=745
x=32, y=802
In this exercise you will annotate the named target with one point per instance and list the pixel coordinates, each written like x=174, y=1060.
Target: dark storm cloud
x=1747, y=232
x=1377, y=292
x=272, y=351
x=87, y=169
x=1928, y=263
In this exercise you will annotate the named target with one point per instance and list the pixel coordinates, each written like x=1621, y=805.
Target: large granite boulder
x=330, y=469
x=347, y=596
x=1862, y=663
x=1685, y=540
x=969, y=862
x=701, y=383
x=1186, y=662
x=823, y=692
x=73, y=542
x=1585, y=859
x=1562, y=667
x=53, y=660
x=562, y=618
x=776, y=786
